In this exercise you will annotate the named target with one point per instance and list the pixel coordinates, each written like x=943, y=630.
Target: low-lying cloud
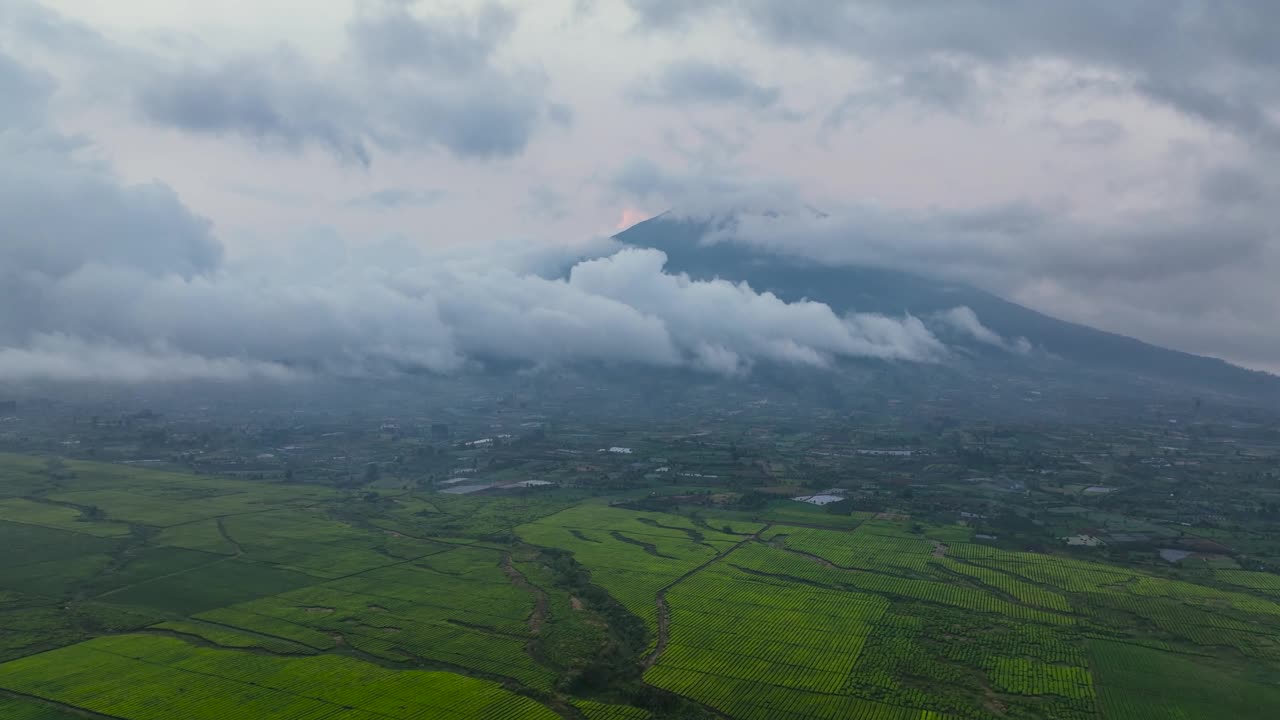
x=103, y=280
x=118, y=322
x=964, y=320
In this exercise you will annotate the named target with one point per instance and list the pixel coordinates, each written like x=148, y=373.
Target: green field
x=160, y=678
x=144, y=595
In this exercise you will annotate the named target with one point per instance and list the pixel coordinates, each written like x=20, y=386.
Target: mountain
x=893, y=292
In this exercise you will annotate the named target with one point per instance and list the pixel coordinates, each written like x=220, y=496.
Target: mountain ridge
x=894, y=292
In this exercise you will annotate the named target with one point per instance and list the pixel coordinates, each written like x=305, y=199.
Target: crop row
x=746, y=700
x=1023, y=591
x=1027, y=677
x=783, y=565
x=593, y=710
x=156, y=678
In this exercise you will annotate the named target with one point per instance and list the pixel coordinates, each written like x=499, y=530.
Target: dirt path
x=664, y=613
x=541, y=603
x=939, y=549
x=222, y=530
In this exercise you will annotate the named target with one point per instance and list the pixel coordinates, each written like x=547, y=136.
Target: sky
x=192, y=189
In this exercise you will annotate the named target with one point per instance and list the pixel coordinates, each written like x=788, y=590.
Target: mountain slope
x=893, y=292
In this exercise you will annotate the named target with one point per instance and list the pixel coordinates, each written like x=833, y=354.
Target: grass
x=27, y=545
x=1138, y=683
x=164, y=499
x=202, y=535
x=144, y=564
x=311, y=542
x=210, y=586
x=228, y=638
x=593, y=710
x=16, y=708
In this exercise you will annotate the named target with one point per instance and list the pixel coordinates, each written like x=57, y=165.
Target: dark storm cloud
x=404, y=82
x=1217, y=62
x=694, y=81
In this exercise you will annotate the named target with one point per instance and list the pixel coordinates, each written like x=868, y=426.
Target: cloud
x=1233, y=187
x=59, y=213
x=547, y=202
x=1002, y=241
x=392, y=198
x=724, y=320
x=357, y=320
x=689, y=82
x=1215, y=62
x=666, y=14
x=66, y=359
x=105, y=281
x=387, y=35
x=936, y=85
x=275, y=99
x=23, y=90
x=710, y=192
x=964, y=321
x=1197, y=274
x=1096, y=132
x=404, y=81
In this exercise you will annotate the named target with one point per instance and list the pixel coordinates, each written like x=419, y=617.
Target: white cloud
x=965, y=321
x=68, y=359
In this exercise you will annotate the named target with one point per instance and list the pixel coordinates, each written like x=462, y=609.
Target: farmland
x=142, y=594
